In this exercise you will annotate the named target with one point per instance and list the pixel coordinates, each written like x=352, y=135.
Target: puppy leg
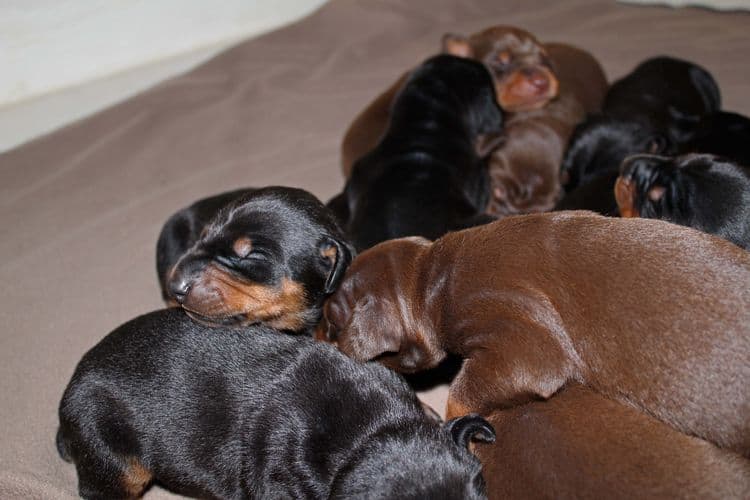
x=105, y=475
x=100, y=440
x=517, y=369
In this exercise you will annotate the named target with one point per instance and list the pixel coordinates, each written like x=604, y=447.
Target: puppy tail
x=62, y=446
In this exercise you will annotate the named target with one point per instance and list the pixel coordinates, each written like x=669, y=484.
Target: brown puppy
x=579, y=444
x=547, y=89
x=643, y=311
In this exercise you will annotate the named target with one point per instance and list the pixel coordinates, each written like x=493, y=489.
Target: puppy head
x=378, y=312
x=691, y=190
x=523, y=73
x=598, y=146
x=465, y=88
x=270, y=257
x=526, y=190
x=419, y=461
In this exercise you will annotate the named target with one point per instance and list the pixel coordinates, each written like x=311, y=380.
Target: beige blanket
x=81, y=208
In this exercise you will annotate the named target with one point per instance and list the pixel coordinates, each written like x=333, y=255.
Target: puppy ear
x=366, y=345
x=457, y=45
x=339, y=254
x=470, y=427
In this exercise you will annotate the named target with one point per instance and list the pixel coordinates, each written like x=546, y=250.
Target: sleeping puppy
x=529, y=315
x=700, y=191
x=249, y=413
x=547, y=89
x=427, y=175
x=656, y=109
x=267, y=255
x=520, y=66
x=524, y=170
x=578, y=444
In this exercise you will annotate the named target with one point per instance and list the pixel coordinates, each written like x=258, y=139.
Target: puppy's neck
x=434, y=278
x=421, y=315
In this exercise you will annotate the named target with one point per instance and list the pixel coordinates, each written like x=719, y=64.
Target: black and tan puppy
x=224, y=414
x=428, y=173
x=655, y=109
x=267, y=255
x=700, y=191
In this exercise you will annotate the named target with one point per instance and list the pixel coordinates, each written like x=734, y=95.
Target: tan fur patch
x=517, y=93
x=454, y=408
x=281, y=307
x=136, y=478
x=625, y=196
x=329, y=253
x=457, y=45
x=242, y=247
x=321, y=332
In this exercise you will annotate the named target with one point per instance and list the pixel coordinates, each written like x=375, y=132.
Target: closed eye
x=235, y=261
x=255, y=255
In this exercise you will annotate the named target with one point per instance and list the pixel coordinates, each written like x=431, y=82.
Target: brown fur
x=625, y=196
x=217, y=294
x=524, y=171
x=579, y=444
x=643, y=311
x=136, y=478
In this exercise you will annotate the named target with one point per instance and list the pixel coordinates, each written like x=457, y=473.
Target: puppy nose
x=179, y=289
x=538, y=79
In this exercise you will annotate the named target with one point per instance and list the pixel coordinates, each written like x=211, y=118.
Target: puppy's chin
x=392, y=360
x=217, y=321
x=402, y=363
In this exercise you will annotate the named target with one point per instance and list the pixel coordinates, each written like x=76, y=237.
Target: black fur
x=700, y=191
x=598, y=146
x=595, y=194
x=426, y=176
x=655, y=109
x=248, y=413
x=290, y=230
x=670, y=94
x=723, y=134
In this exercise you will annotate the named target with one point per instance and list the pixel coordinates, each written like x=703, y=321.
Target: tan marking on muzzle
x=282, y=307
x=517, y=93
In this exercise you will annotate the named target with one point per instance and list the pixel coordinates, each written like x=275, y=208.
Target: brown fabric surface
x=81, y=208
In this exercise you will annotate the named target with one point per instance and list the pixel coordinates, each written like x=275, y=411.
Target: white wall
x=47, y=45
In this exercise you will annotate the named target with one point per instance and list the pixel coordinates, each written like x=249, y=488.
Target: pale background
x=63, y=60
